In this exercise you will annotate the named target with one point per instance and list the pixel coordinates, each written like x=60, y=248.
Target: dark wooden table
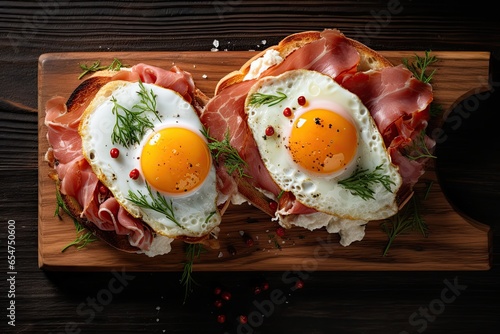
x=329, y=302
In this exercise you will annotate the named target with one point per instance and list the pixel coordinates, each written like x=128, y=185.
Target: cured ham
x=390, y=94
x=76, y=177
x=399, y=104
x=112, y=217
x=175, y=78
x=332, y=54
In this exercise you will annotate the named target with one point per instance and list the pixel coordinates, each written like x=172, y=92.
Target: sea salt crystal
x=215, y=43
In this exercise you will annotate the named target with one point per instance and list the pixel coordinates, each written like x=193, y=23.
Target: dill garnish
x=259, y=99
x=406, y=220
x=148, y=100
x=360, y=181
x=131, y=124
x=159, y=203
x=96, y=66
x=232, y=159
x=418, y=66
x=83, y=236
x=418, y=148
x=193, y=252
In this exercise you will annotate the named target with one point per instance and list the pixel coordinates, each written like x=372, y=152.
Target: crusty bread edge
x=370, y=59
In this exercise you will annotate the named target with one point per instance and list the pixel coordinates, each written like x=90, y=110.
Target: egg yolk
x=175, y=160
x=322, y=141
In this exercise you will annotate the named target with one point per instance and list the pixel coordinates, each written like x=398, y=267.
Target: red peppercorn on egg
x=145, y=143
x=329, y=137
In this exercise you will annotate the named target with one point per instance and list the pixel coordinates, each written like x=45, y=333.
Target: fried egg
x=315, y=137
x=145, y=143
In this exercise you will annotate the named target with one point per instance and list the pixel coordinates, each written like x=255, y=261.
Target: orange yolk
x=175, y=160
x=323, y=141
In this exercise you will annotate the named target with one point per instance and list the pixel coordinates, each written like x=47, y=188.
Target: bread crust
x=370, y=59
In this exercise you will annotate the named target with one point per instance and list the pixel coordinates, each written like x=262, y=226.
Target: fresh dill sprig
x=148, y=100
x=406, y=220
x=158, y=203
x=131, y=124
x=232, y=159
x=96, y=66
x=418, y=148
x=259, y=99
x=83, y=236
x=61, y=205
x=360, y=181
x=193, y=252
x=418, y=66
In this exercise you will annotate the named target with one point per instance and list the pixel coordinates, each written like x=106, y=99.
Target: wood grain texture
x=347, y=302
x=455, y=242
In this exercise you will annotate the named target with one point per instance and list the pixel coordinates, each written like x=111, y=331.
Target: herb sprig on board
x=83, y=236
x=406, y=220
x=193, y=252
x=419, y=66
x=96, y=66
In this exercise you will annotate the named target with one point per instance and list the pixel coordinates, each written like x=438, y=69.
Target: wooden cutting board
x=454, y=242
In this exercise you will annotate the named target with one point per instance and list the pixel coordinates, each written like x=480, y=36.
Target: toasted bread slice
x=369, y=60
x=82, y=96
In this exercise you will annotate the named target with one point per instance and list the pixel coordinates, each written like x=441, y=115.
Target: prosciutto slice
x=390, y=94
x=399, y=104
x=76, y=177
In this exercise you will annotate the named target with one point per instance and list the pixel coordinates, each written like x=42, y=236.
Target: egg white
x=319, y=191
x=197, y=212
